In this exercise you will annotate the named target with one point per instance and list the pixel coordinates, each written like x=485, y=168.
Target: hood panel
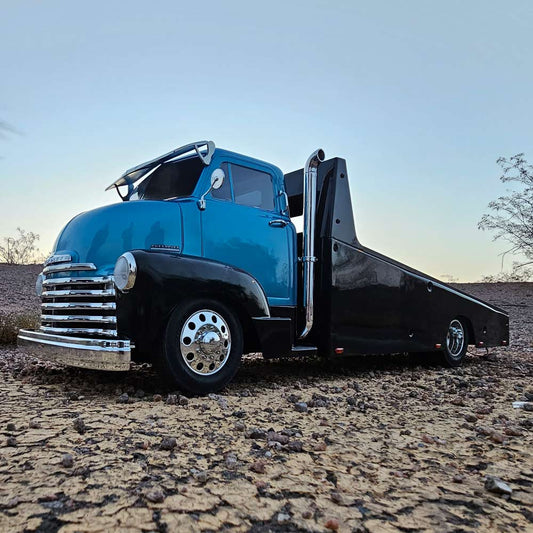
x=101, y=235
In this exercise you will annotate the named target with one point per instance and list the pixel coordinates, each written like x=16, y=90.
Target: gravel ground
x=371, y=444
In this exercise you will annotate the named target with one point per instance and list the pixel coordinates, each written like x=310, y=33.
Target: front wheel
x=456, y=343
x=202, y=346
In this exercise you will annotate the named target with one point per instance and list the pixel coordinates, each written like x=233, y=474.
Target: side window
x=252, y=187
x=224, y=193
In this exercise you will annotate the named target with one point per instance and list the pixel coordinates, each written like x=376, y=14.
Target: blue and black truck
x=201, y=263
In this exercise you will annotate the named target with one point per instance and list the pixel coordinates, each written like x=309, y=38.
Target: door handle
x=278, y=223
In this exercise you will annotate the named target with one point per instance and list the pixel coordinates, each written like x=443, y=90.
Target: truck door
x=243, y=225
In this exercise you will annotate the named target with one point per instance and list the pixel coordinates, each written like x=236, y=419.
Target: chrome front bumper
x=99, y=354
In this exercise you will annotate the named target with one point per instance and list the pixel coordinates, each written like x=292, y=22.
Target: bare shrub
x=19, y=250
x=512, y=216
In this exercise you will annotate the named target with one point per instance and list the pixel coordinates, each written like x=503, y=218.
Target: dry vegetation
x=373, y=444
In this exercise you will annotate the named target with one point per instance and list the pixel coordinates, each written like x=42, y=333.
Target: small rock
x=13, y=502
x=201, y=476
x=240, y=426
x=301, y=407
x=231, y=461
x=155, y=495
x=320, y=447
x=168, y=443
x=458, y=478
x=157, y=398
x=528, y=406
x=123, y=398
x=485, y=410
x=11, y=427
x=428, y=439
x=261, y=486
x=172, y=399
x=139, y=393
x=67, y=460
x=82, y=471
x=142, y=445
x=256, y=434
x=183, y=400
x=241, y=413
x=513, y=431
x=79, y=425
x=283, y=518
x=34, y=424
x=336, y=497
x=470, y=418
x=332, y=524
x=259, y=467
x=496, y=485
x=295, y=446
x=272, y=436
x=11, y=441
x=307, y=514
x=497, y=437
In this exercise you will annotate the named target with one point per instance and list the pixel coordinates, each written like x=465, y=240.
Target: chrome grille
x=77, y=304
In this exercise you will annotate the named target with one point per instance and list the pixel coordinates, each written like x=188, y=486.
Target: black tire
x=455, y=343
x=204, y=372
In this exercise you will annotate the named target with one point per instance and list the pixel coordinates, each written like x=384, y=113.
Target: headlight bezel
x=39, y=285
x=125, y=272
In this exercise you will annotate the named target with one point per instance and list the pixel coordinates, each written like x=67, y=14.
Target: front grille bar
x=78, y=292
x=79, y=306
x=65, y=267
x=80, y=331
x=79, y=318
x=77, y=281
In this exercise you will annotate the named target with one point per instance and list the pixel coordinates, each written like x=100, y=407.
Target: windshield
x=170, y=180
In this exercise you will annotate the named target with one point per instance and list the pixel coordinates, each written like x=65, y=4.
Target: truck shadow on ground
x=254, y=376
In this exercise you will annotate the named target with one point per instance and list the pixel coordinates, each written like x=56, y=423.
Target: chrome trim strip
x=99, y=354
x=79, y=318
x=78, y=292
x=309, y=259
x=62, y=258
x=68, y=266
x=78, y=281
x=80, y=306
x=82, y=331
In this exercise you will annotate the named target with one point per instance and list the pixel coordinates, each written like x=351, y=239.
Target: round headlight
x=39, y=284
x=125, y=272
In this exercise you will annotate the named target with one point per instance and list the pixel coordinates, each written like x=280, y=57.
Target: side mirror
x=217, y=179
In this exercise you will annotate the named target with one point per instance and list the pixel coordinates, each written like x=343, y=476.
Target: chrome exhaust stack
x=309, y=259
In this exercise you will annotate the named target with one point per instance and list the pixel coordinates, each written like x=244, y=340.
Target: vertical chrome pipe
x=309, y=259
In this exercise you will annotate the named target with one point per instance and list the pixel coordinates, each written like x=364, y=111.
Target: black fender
x=164, y=279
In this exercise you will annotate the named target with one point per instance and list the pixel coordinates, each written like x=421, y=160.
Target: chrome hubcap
x=205, y=342
x=455, y=338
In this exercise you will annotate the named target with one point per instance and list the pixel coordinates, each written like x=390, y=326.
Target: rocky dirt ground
x=373, y=444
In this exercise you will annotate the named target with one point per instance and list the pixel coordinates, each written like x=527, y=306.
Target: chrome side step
x=302, y=351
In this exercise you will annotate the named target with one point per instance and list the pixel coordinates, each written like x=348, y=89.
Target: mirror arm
x=201, y=201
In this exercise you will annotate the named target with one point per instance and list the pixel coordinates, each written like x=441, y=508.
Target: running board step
x=302, y=351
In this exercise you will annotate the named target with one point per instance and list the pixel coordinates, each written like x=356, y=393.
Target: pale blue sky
x=419, y=97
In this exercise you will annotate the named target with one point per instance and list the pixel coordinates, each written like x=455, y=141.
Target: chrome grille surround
x=76, y=303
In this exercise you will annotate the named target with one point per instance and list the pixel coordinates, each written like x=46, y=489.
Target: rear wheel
x=202, y=346
x=456, y=343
